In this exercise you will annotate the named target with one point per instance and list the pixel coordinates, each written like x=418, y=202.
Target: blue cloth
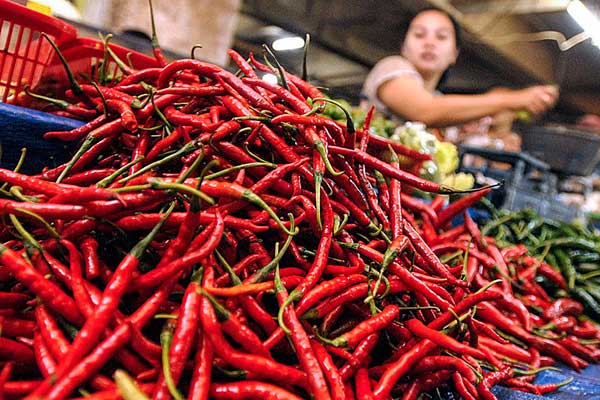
x=585, y=385
x=22, y=127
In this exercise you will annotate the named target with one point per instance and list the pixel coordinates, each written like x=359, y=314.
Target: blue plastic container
x=22, y=127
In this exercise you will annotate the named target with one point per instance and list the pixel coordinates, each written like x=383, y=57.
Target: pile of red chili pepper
x=214, y=237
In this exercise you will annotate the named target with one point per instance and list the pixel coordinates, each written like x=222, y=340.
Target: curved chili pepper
x=441, y=339
x=259, y=365
x=563, y=306
x=95, y=325
x=77, y=133
x=429, y=256
x=183, y=338
x=185, y=64
x=236, y=328
x=462, y=389
x=457, y=207
x=156, y=276
x=201, y=377
x=47, y=291
x=491, y=379
x=367, y=327
x=248, y=390
x=299, y=337
x=388, y=170
x=307, y=89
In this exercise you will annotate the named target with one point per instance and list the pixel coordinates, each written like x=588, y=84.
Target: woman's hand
x=535, y=99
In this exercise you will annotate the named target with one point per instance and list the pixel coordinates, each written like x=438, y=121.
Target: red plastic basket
x=24, y=53
x=85, y=57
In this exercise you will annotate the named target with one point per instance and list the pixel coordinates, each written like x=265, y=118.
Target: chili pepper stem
x=278, y=285
x=318, y=178
x=187, y=148
x=349, y=123
x=75, y=87
x=229, y=170
x=110, y=179
x=266, y=270
x=57, y=102
x=450, y=190
x=520, y=372
x=85, y=146
x=165, y=340
x=320, y=147
x=180, y=187
x=127, y=386
x=253, y=198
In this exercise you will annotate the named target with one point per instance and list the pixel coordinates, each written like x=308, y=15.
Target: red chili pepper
x=43, y=357
x=256, y=364
x=249, y=390
x=506, y=349
x=332, y=374
x=201, y=377
x=429, y=256
x=95, y=325
x=88, y=366
x=16, y=351
x=585, y=329
x=402, y=366
x=563, y=306
x=585, y=352
x=80, y=294
x=235, y=328
x=473, y=229
x=299, y=105
x=89, y=177
x=13, y=300
x=194, y=66
x=553, y=275
x=254, y=98
x=368, y=327
x=491, y=379
x=301, y=342
x=362, y=384
x=156, y=276
x=183, y=338
x=361, y=352
x=485, y=329
x=493, y=315
x=46, y=290
x=458, y=206
x=462, y=389
x=307, y=89
x=441, y=339
x=77, y=133
x=128, y=119
x=405, y=277
x=388, y=170
x=327, y=288
x=355, y=292
x=102, y=353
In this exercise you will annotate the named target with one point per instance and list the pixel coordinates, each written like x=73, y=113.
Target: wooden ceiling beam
x=492, y=32
x=512, y=7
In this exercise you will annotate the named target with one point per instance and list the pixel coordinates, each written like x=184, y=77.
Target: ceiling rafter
x=514, y=7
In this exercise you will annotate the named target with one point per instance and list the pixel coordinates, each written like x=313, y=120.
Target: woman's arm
x=406, y=97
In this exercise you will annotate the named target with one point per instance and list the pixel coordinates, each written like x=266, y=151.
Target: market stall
x=176, y=229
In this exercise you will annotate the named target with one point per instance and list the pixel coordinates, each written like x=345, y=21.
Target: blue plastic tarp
x=22, y=127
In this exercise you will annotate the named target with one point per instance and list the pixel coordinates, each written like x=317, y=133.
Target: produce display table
x=21, y=127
